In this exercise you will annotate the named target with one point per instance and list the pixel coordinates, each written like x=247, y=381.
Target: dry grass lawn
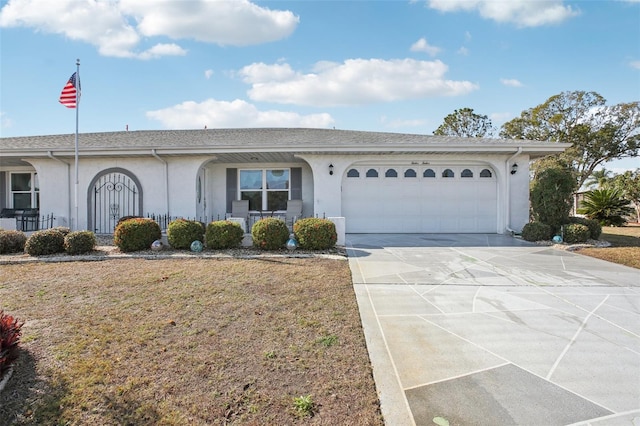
x=197, y=341
x=625, y=246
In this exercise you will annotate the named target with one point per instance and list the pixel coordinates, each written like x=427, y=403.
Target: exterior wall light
x=331, y=169
x=514, y=168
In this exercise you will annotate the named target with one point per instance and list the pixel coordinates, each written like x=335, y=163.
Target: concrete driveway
x=486, y=329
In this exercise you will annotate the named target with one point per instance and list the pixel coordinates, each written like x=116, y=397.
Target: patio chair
x=294, y=212
x=240, y=213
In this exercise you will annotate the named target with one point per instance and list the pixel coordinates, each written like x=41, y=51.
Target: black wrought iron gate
x=115, y=195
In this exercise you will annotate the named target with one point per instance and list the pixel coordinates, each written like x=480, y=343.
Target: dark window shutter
x=296, y=183
x=3, y=186
x=232, y=187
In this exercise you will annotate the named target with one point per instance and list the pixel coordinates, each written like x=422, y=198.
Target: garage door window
x=372, y=173
x=448, y=173
x=466, y=173
x=391, y=173
x=410, y=173
x=429, y=173
x=485, y=173
x=353, y=173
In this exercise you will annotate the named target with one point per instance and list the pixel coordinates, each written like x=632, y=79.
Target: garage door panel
x=420, y=205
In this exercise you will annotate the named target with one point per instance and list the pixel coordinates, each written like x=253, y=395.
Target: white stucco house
x=378, y=182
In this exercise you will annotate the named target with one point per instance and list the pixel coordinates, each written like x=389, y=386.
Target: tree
x=598, y=133
x=599, y=179
x=465, y=123
x=606, y=206
x=628, y=184
x=551, y=196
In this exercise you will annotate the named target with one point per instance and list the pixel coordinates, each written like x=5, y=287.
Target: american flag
x=68, y=95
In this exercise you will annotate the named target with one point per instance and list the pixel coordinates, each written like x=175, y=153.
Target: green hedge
x=223, y=234
x=182, y=232
x=48, y=241
x=12, y=241
x=270, y=233
x=79, y=242
x=536, y=231
x=315, y=234
x=136, y=234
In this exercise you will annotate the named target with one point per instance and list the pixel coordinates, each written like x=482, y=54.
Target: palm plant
x=599, y=179
x=607, y=206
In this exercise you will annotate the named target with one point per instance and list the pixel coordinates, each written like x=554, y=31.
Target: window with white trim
x=266, y=189
x=25, y=190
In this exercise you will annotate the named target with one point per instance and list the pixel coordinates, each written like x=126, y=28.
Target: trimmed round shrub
x=576, y=233
x=270, y=233
x=536, y=231
x=63, y=230
x=315, y=234
x=595, y=229
x=124, y=218
x=79, y=242
x=12, y=241
x=182, y=232
x=48, y=241
x=136, y=234
x=223, y=234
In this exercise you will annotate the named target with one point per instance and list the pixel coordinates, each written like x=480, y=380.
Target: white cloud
x=236, y=23
x=208, y=74
x=635, y=64
x=5, y=122
x=511, y=82
x=523, y=13
x=463, y=51
x=423, y=46
x=238, y=113
x=118, y=28
x=353, y=82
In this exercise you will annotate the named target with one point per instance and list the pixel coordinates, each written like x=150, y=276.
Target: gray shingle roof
x=226, y=140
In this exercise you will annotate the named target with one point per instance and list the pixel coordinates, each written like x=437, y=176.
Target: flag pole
x=75, y=226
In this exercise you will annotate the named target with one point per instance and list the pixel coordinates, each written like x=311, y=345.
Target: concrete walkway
x=490, y=330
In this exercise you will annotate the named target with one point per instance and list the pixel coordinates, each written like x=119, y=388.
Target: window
x=410, y=173
x=265, y=189
x=372, y=173
x=353, y=173
x=391, y=173
x=448, y=173
x=429, y=173
x=466, y=173
x=485, y=173
x=25, y=191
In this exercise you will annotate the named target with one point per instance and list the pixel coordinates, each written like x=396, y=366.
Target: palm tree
x=606, y=206
x=599, y=178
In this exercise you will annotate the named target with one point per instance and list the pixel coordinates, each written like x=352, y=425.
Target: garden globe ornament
x=557, y=239
x=157, y=245
x=292, y=244
x=196, y=246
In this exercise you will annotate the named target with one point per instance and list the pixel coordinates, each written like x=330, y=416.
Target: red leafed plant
x=9, y=338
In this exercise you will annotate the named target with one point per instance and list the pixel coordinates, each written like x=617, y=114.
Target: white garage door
x=427, y=199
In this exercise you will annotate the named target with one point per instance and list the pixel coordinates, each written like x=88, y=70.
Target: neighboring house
x=379, y=182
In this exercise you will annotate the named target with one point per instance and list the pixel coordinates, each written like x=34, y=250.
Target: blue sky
x=396, y=66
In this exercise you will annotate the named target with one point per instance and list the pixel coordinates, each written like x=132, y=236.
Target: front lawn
x=625, y=245
x=198, y=341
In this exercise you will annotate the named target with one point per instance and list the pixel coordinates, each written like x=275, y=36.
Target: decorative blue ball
x=196, y=246
x=292, y=244
x=557, y=239
x=156, y=245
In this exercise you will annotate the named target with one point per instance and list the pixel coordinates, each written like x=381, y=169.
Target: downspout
x=508, y=190
x=166, y=177
x=53, y=157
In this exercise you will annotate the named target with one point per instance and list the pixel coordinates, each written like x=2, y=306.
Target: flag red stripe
x=69, y=94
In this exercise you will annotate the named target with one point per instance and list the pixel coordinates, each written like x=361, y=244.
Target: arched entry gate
x=114, y=193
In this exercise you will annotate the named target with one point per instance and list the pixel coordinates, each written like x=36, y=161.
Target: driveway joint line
x=459, y=376
x=574, y=338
